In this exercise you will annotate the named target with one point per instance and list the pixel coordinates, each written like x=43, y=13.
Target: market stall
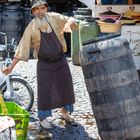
x=130, y=23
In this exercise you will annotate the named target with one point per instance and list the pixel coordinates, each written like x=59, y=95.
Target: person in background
x=45, y=35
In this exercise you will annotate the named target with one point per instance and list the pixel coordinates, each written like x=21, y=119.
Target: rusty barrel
x=113, y=85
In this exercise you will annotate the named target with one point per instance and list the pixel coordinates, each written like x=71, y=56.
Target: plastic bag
x=7, y=128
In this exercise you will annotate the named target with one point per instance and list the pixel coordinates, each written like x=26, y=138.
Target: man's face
x=40, y=11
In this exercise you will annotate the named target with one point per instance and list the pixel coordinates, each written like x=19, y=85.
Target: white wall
x=115, y=8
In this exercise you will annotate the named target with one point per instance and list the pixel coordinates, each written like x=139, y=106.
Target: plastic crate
x=21, y=118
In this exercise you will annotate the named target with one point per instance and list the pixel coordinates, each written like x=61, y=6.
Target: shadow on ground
x=65, y=131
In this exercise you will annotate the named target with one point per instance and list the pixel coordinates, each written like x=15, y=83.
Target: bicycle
x=13, y=86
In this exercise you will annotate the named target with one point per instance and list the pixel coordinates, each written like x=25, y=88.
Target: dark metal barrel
x=12, y=21
x=80, y=13
x=113, y=85
x=70, y=8
x=0, y=15
x=1, y=40
x=27, y=16
x=52, y=8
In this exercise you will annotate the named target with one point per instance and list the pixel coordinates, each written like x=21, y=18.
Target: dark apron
x=55, y=88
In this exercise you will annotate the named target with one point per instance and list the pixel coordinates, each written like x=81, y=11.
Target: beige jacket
x=31, y=35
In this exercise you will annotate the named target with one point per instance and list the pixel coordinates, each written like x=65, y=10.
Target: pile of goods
x=131, y=13
x=112, y=22
x=109, y=22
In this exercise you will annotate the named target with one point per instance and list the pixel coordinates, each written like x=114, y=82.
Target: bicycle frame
x=4, y=63
x=6, y=81
x=14, y=87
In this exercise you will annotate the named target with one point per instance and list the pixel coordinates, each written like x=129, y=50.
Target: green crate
x=21, y=118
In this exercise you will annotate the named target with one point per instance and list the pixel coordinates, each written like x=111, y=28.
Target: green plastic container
x=21, y=118
x=80, y=15
x=88, y=29
x=75, y=46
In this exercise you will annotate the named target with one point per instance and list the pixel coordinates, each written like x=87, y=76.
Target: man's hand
x=7, y=70
x=67, y=28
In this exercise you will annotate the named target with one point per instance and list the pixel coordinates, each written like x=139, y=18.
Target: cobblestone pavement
x=85, y=126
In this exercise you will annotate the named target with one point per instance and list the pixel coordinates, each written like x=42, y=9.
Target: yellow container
x=109, y=27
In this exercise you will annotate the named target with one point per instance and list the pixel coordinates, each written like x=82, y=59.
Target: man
x=45, y=34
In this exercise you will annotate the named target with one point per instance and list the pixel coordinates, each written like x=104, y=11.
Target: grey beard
x=42, y=23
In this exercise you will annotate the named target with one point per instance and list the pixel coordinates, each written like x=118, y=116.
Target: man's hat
x=36, y=3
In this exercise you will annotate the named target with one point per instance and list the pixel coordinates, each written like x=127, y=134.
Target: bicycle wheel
x=22, y=93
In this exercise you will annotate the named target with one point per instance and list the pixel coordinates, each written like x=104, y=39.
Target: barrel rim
x=105, y=37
